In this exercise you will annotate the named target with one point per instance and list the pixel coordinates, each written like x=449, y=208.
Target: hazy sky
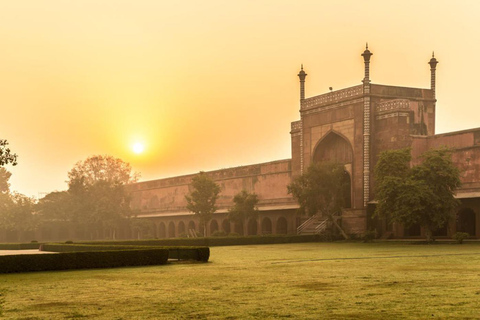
x=208, y=84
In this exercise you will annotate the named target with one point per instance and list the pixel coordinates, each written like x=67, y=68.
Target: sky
x=209, y=84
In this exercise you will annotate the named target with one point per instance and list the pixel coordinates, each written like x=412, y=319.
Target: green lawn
x=297, y=281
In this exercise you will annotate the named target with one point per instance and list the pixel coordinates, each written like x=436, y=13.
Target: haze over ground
x=211, y=84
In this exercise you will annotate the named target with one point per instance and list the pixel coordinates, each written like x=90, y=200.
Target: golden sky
x=208, y=84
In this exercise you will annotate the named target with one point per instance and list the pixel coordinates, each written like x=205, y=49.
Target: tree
x=202, y=198
x=4, y=177
x=56, y=206
x=97, y=197
x=423, y=194
x=17, y=212
x=244, y=208
x=321, y=189
x=102, y=168
x=6, y=156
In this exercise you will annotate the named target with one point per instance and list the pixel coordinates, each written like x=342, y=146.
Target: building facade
x=351, y=126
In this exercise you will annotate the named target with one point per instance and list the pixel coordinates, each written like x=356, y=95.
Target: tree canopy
x=202, y=198
x=6, y=155
x=16, y=210
x=321, y=189
x=422, y=194
x=96, y=199
x=244, y=207
x=102, y=168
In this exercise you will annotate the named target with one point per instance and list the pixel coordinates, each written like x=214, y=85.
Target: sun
x=138, y=147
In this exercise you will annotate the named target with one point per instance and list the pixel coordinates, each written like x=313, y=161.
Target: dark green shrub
x=354, y=236
x=179, y=252
x=69, y=242
x=369, y=235
x=82, y=260
x=214, y=241
x=233, y=234
x=460, y=236
x=19, y=246
x=189, y=253
x=219, y=234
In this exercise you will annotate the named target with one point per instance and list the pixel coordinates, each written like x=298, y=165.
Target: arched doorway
x=181, y=228
x=226, y=226
x=413, y=231
x=266, y=226
x=442, y=231
x=171, y=230
x=239, y=228
x=213, y=226
x=281, y=226
x=161, y=230
x=466, y=221
x=335, y=148
x=252, y=227
x=191, y=226
x=347, y=189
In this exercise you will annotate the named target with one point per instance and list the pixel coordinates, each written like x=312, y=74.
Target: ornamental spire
x=366, y=57
x=302, y=75
x=433, y=67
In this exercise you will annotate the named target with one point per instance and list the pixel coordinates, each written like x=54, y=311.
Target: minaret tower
x=302, y=75
x=366, y=127
x=433, y=66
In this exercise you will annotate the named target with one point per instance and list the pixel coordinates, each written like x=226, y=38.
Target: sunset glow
x=138, y=148
x=209, y=84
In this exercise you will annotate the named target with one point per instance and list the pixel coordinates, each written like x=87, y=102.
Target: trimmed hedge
x=83, y=260
x=179, y=253
x=19, y=246
x=214, y=241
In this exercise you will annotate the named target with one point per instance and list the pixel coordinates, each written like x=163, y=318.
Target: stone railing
x=393, y=105
x=332, y=97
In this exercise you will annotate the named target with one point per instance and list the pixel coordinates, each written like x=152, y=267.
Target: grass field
x=297, y=281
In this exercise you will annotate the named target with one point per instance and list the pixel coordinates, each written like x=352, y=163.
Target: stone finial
x=433, y=62
x=366, y=57
x=366, y=54
x=302, y=74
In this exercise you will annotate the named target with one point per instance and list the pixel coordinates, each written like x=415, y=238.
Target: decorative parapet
x=393, y=105
x=332, y=97
x=296, y=126
x=392, y=115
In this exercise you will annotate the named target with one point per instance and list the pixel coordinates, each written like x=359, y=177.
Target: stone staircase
x=314, y=225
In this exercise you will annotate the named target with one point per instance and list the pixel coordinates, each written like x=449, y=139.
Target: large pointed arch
x=334, y=147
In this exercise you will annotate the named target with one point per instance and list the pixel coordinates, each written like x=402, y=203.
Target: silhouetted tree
x=4, y=177
x=202, y=198
x=6, y=156
x=423, y=194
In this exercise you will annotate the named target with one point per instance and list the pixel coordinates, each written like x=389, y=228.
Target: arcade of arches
x=276, y=224
x=465, y=220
